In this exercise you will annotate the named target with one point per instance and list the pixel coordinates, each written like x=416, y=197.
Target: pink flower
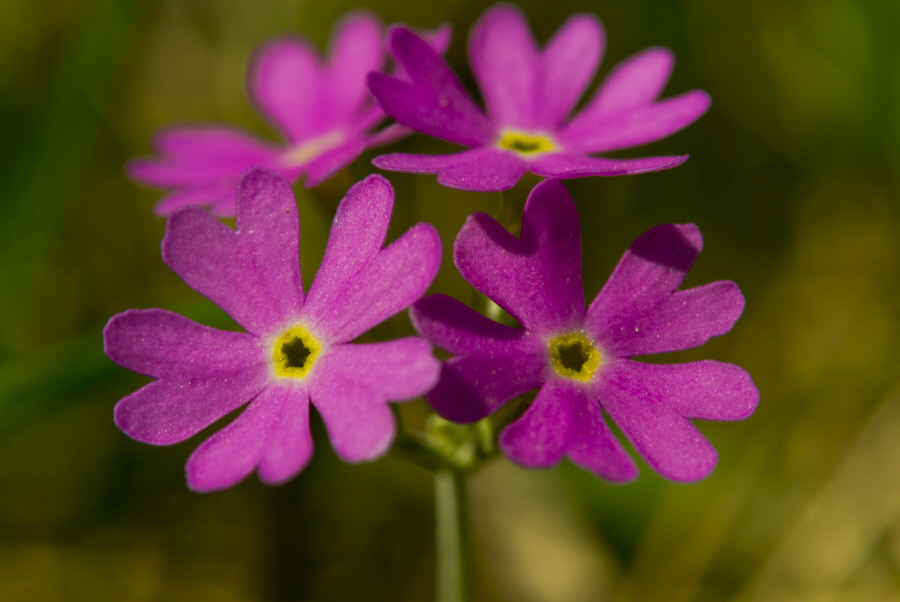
x=321, y=107
x=529, y=94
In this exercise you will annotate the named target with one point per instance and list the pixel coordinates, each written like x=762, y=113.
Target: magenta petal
x=484, y=169
x=232, y=453
x=219, y=197
x=635, y=127
x=570, y=165
x=505, y=61
x=159, y=343
x=357, y=234
x=593, y=446
x=706, y=390
x=570, y=59
x=537, y=278
x=252, y=274
x=687, y=319
x=195, y=155
x=396, y=370
x=434, y=102
x=458, y=328
x=360, y=424
x=286, y=83
x=168, y=411
x=538, y=439
x=330, y=162
x=650, y=271
x=666, y=439
x=390, y=282
x=637, y=81
x=357, y=48
x=474, y=386
x=289, y=445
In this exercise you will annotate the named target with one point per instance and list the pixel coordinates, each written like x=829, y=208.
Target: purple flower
x=581, y=359
x=294, y=350
x=321, y=107
x=529, y=94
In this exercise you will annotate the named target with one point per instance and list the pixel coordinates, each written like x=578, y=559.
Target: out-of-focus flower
x=320, y=106
x=581, y=359
x=294, y=348
x=529, y=94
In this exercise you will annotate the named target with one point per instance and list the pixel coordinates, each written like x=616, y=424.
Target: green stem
x=450, y=536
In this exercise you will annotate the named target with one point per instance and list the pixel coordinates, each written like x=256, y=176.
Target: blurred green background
x=793, y=179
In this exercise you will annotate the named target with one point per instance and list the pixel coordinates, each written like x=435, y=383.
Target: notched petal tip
x=673, y=245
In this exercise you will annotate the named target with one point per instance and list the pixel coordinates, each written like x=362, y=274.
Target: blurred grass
x=793, y=180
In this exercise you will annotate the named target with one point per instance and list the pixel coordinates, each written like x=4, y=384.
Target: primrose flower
x=529, y=94
x=320, y=106
x=294, y=350
x=581, y=359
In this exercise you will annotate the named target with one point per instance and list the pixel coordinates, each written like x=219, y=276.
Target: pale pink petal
x=570, y=59
x=506, y=63
x=635, y=82
x=635, y=127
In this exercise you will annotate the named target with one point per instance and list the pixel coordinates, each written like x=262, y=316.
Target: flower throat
x=294, y=353
x=574, y=356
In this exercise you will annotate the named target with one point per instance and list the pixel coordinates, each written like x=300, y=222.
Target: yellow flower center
x=574, y=356
x=294, y=352
x=525, y=144
x=306, y=152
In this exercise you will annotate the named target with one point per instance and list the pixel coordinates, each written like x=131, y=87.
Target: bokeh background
x=793, y=179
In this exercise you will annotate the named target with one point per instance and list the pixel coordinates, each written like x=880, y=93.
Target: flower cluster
x=298, y=348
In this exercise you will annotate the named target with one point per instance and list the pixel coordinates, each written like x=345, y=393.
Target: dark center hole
x=574, y=355
x=525, y=146
x=296, y=353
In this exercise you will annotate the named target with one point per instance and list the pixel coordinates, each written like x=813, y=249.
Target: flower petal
x=565, y=166
x=506, y=62
x=160, y=343
x=646, y=276
x=635, y=127
x=474, y=386
x=232, y=453
x=285, y=80
x=707, y=390
x=458, y=328
x=171, y=410
x=538, y=439
x=359, y=422
x=252, y=274
x=356, y=49
x=571, y=58
x=537, y=278
x=390, y=282
x=635, y=82
x=593, y=446
x=687, y=319
x=672, y=446
x=396, y=370
x=484, y=169
x=330, y=162
x=289, y=444
x=219, y=197
x=434, y=102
